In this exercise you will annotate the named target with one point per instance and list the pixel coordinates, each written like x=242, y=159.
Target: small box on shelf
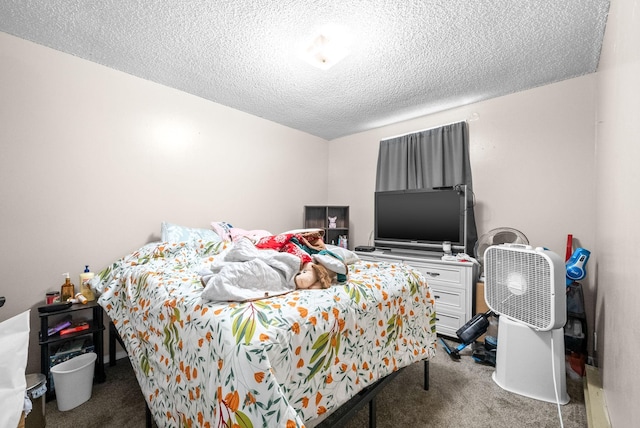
x=75, y=327
x=60, y=325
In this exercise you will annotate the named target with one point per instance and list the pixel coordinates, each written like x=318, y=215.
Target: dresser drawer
x=452, y=298
x=366, y=257
x=451, y=275
x=448, y=322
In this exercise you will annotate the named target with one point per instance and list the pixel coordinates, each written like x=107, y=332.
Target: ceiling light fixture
x=326, y=49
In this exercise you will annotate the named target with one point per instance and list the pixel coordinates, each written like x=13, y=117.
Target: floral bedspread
x=276, y=362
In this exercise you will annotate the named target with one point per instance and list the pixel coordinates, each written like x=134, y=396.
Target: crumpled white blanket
x=248, y=273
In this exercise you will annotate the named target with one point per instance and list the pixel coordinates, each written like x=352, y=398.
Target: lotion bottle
x=67, y=291
x=85, y=287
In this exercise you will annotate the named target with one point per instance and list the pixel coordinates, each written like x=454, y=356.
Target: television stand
x=451, y=283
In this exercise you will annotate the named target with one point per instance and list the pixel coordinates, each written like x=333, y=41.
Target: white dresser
x=451, y=283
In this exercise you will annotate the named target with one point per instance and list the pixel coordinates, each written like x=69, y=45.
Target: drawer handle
x=437, y=319
x=433, y=274
x=435, y=296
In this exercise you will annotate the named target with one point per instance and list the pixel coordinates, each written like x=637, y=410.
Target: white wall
x=93, y=160
x=618, y=178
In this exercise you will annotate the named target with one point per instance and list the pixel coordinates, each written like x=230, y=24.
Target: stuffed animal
x=332, y=222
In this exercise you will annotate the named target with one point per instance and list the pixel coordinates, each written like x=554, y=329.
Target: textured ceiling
x=408, y=58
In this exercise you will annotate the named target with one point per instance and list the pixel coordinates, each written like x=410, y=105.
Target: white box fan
x=526, y=288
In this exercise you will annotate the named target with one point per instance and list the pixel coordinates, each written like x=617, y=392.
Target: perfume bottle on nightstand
x=67, y=291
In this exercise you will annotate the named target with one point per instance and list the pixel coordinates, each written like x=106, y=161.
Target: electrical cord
x=555, y=380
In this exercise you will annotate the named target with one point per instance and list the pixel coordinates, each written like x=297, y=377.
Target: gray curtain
x=437, y=157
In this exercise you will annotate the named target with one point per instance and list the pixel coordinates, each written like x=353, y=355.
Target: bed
x=283, y=361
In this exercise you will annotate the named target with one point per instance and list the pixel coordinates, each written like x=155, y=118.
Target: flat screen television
x=421, y=219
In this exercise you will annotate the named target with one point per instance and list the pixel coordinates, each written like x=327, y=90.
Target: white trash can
x=73, y=380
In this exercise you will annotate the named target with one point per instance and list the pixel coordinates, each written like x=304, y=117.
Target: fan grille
x=520, y=286
x=500, y=235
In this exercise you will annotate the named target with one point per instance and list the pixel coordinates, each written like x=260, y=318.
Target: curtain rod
x=472, y=118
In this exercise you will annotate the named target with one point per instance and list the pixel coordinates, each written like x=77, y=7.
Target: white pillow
x=348, y=256
x=228, y=233
x=176, y=233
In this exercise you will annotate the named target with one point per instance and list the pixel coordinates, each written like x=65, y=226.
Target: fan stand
x=522, y=361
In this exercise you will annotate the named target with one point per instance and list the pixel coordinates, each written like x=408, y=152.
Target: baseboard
x=597, y=412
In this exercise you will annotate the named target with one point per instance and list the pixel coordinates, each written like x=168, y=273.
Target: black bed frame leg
x=113, y=337
x=112, y=344
x=147, y=412
x=426, y=375
x=372, y=413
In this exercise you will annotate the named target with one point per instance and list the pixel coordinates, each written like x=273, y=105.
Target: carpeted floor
x=462, y=394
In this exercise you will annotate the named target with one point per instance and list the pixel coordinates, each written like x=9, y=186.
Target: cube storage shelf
x=317, y=217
